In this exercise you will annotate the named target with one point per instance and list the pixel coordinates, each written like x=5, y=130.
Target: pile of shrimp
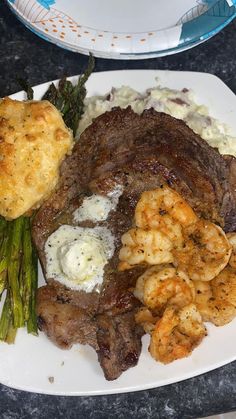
x=190, y=274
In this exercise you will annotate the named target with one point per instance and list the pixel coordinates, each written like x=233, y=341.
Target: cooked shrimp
x=224, y=285
x=232, y=239
x=191, y=323
x=203, y=292
x=146, y=319
x=211, y=302
x=176, y=334
x=164, y=209
x=159, y=286
x=218, y=312
x=142, y=246
x=206, y=251
x=150, y=272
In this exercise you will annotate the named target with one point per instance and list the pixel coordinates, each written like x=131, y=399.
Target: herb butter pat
x=97, y=207
x=76, y=256
x=94, y=208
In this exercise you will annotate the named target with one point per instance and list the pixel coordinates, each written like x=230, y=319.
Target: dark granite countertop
x=23, y=54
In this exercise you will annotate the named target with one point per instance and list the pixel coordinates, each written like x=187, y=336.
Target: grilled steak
x=65, y=323
x=139, y=152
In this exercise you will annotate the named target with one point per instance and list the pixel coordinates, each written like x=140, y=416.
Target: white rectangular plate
x=35, y=364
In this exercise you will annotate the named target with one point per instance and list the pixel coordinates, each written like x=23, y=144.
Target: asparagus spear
x=26, y=269
x=7, y=330
x=32, y=321
x=11, y=334
x=27, y=88
x=14, y=260
x=6, y=317
x=69, y=99
x=3, y=262
x=3, y=224
x=3, y=253
x=30, y=280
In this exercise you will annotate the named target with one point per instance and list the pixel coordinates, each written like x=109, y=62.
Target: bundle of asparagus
x=18, y=276
x=18, y=259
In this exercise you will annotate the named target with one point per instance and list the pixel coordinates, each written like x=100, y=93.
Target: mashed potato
x=179, y=104
x=33, y=142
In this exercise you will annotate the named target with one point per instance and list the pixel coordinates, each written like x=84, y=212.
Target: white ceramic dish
x=121, y=29
x=31, y=363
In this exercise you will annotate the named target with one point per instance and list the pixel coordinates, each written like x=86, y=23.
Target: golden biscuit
x=33, y=142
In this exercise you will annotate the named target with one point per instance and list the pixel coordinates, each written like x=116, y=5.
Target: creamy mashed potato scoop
x=33, y=142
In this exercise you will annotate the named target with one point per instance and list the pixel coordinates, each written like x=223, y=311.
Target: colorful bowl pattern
x=201, y=22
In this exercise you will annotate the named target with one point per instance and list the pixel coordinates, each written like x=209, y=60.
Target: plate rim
x=184, y=44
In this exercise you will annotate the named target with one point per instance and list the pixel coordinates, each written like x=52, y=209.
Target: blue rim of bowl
x=189, y=38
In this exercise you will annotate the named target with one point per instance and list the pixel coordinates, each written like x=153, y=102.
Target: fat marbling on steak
x=139, y=152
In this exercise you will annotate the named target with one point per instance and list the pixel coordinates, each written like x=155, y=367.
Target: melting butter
x=97, y=207
x=76, y=256
x=94, y=208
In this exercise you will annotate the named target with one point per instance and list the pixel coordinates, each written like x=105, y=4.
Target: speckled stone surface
x=23, y=54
